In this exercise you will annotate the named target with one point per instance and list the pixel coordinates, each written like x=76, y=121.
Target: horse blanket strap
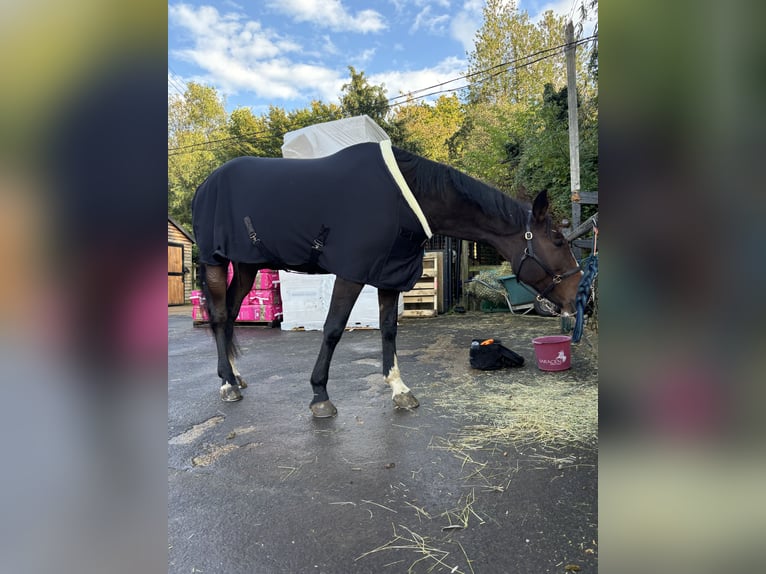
x=318, y=245
x=256, y=241
x=376, y=238
x=251, y=231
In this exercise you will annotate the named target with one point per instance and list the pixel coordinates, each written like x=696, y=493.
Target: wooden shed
x=179, y=264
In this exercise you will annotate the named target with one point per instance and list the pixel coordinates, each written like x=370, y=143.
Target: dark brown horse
x=248, y=211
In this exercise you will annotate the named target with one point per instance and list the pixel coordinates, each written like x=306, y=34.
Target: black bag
x=489, y=355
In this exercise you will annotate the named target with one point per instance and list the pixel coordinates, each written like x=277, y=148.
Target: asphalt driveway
x=259, y=486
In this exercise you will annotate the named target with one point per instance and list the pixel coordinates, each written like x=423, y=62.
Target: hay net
x=486, y=285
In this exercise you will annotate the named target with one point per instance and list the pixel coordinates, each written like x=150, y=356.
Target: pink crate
x=266, y=279
x=259, y=312
x=199, y=313
x=266, y=296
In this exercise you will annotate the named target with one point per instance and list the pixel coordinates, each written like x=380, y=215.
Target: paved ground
x=258, y=486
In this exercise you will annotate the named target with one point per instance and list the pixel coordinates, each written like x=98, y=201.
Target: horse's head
x=547, y=263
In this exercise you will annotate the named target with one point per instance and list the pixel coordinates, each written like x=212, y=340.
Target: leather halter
x=529, y=253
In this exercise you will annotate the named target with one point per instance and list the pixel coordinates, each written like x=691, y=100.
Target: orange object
x=488, y=342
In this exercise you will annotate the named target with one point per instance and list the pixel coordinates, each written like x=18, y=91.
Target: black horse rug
x=350, y=213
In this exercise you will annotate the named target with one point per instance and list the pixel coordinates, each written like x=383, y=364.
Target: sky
x=287, y=53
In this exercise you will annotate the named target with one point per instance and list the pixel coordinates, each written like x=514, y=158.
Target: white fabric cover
x=327, y=138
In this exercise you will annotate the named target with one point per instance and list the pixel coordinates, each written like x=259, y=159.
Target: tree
x=317, y=113
x=245, y=131
x=196, y=123
x=511, y=58
x=515, y=130
x=359, y=97
x=538, y=154
x=426, y=129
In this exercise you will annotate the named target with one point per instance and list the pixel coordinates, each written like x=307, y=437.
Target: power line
x=485, y=70
x=494, y=74
x=206, y=142
x=174, y=83
x=498, y=69
x=238, y=137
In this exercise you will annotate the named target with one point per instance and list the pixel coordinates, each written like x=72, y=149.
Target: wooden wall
x=179, y=257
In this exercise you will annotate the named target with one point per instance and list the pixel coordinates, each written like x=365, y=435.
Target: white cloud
x=568, y=9
x=363, y=57
x=240, y=55
x=404, y=82
x=559, y=7
x=330, y=14
x=246, y=58
x=466, y=22
x=328, y=46
x=442, y=3
x=435, y=24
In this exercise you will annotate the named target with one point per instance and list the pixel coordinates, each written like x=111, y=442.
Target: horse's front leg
x=401, y=394
x=344, y=295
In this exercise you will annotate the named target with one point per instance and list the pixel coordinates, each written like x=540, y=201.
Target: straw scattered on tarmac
x=551, y=413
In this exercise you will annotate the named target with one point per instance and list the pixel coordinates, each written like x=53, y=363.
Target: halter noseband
x=529, y=253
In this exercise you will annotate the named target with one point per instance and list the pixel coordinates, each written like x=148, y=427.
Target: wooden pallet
x=422, y=300
x=272, y=324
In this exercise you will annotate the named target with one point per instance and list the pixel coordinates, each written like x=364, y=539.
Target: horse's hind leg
x=401, y=394
x=344, y=295
x=241, y=283
x=223, y=306
x=214, y=288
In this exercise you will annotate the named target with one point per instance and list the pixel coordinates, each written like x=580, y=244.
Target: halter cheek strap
x=529, y=253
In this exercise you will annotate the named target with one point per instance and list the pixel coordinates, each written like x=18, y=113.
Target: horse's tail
x=206, y=295
x=231, y=346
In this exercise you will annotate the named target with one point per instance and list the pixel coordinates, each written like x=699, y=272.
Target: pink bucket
x=554, y=353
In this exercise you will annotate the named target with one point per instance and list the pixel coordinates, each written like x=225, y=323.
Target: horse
x=363, y=214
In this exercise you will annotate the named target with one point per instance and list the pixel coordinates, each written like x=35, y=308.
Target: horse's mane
x=430, y=178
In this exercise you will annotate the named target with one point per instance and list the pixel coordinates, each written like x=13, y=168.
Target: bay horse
x=364, y=214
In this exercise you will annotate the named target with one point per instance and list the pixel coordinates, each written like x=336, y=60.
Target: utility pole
x=574, y=133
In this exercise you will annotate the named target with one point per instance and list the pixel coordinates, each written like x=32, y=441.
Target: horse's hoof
x=406, y=401
x=241, y=382
x=323, y=410
x=230, y=393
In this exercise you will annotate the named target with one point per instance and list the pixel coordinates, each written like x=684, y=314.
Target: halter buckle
x=528, y=236
x=556, y=279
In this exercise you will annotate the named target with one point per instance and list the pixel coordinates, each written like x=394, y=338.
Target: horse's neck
x=458, y=216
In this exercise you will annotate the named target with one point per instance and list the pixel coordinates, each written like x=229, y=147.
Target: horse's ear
x=540, y=206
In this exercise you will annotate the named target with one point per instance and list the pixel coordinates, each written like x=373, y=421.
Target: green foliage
x=358, y=97
x=482, y=143
x=515, y=129
x=194, y=119
x=503, y=65
x=538, y=154
x=426, y=129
